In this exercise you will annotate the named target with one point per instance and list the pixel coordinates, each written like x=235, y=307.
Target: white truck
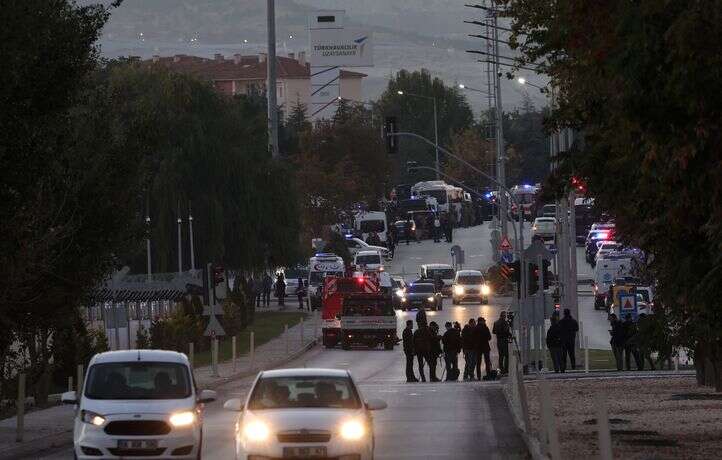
x=612, y=267
x=367, y=222
x=319, y=266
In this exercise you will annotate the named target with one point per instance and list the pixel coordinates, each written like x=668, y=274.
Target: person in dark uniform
x=300, y=293
x=554, y=343
x=281, y=289
x=482, y=337
x=267, y=287
x=422, y=347
x=435, y=350
x=421, y=316
x=630, y=343
x=469, y=346
x=408, y=341
x=569, y=328
x=503, y=334
x=452, y=348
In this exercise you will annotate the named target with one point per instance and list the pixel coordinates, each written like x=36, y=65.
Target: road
x=436, y=420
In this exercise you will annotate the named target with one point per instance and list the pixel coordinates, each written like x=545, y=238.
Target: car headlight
x=381, y=268
x=403, y=299
x=400, y=292
x=353, y=430
x=430, y=299
x=182, y=418
x=485, y=289
x=92, y=418
x=256, y=431
x=459, y=290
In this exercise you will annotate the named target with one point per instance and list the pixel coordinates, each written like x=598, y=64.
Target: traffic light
x=390, y=128
x=579, y=185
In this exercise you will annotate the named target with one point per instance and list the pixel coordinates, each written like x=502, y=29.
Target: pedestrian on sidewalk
x=300, y=293
x=503, y=335
x=554, y=343
x=569, y=328
x=422, y=348
x=437, y=229
x=435, y=350
x=408, y=341
x=267, y=287
x=452, y=348
x=631, y=345
x=469, y=345
x=483, y=350
x=281, y=289
x=617, y=340
x=646, y=343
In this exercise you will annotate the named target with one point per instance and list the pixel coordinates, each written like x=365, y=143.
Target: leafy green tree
x=641, y=80
x=416, y=115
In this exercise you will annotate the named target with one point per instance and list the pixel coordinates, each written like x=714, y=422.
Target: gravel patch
x=652, y=420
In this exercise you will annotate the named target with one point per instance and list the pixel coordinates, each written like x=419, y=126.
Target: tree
x=641, y=81
x=470, y=145
x=416, y=115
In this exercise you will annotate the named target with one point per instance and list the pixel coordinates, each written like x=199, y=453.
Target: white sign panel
x=341, y=47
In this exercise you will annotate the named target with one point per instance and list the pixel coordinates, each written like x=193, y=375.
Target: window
x=138, y=380
x=470, y=279
x=304, y=392
x=368, y=259
x=363, y=307
x=444, y=273
x=368, y=226
x=421, y=287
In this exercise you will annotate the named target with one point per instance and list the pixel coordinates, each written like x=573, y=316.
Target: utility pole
x=190, y=236
x=180, y=243
x=436, y=139
x=271, y=83
x=501, y=169
x=147, y=246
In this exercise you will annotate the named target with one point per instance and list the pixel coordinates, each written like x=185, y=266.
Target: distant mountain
x=408, y=34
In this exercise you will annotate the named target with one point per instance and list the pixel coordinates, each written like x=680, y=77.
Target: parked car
x=604, y=248
x=548, y=210
x=368, y=261
x=422, y=295
x=291, y=276
x=304, y=413
x=355, y=245
x=544, y=227
x=138, y=403
x=470, y=285
x=445, y=271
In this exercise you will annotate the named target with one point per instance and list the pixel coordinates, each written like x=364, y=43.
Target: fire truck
x=358, y=310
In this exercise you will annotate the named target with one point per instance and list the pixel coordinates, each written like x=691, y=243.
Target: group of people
x=443, y=225
x=633, y=340
x=259, y=289
x=560, y=340
x=426, y=345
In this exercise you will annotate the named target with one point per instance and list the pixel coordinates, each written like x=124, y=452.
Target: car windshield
x=367, y=226
x=470, y=279
x=440, y=195
x=421, y=287
x=644, y=296
x=366, y=259
x=444, y=273
x=138, y=380
x=545, y=220
x=365, y=307
x=304, y=392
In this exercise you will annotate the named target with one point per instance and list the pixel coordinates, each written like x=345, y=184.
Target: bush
x=176, y=332
x=75, y=344
x=142, y=338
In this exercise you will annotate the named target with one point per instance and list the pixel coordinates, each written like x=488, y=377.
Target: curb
x=532, y=443
x=36, y=446
x=249, y=373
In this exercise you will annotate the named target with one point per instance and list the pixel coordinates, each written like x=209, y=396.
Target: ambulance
x=320, y=266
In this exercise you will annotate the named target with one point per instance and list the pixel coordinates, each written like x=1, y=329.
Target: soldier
x=503, y=334
x=408, y=341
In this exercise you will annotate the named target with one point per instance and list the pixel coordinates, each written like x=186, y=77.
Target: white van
x=139, y=403
x=470, y=285
x=368, y=222
x=607, y=270
x=319, y=266
x=368, y=261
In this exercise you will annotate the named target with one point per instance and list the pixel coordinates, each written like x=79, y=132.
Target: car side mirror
x=376, y=404
x=207, y=396
x=234, y=405
x=69, y=397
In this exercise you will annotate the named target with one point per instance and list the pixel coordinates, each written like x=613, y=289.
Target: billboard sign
x=347, y=47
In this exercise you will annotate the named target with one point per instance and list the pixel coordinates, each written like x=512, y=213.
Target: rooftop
x=305, y=372
x=123, y=356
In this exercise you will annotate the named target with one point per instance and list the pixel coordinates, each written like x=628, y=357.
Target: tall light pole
x=180, y=244
x=271, y=83
x=500, y=149
x=190, y=236
x=436, y=124
x=147, y=246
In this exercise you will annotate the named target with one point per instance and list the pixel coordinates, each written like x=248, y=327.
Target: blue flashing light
x=527, y=186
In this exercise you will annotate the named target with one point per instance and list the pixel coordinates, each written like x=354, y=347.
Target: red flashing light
x=557, y=306
x=360, y=280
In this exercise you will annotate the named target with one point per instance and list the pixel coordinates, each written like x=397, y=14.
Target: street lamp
x=469, y=88
x=436, y=124
x=523, y=81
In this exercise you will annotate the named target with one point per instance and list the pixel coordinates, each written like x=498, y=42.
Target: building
x=247, y=75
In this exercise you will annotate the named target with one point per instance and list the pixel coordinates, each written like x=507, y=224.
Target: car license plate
x=137, y=443
x=304, y=452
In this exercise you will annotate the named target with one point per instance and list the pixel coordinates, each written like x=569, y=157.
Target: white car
x=368, y=261
x=470, y=285
x=605, y=248
x=545, y=227
x=357, y=244
x=138, y=403
x=304, y=413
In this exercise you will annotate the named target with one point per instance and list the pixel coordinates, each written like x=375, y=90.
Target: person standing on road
x=421, y=316
x=452, y=348
x=503, y=335
x=468, y=343
x=617, y=340
x=554, y=343
x=631, y=346
x=267, y=287
x=482, y=338
x=408, y=340
x=569, y=328
x=281, y=289
x=437, y=229
x=422, y=348
x=435, y=350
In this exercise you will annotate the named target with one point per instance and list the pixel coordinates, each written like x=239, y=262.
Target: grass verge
x=267, y=326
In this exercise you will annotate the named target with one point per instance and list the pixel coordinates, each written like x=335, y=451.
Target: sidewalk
x=52, y=427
